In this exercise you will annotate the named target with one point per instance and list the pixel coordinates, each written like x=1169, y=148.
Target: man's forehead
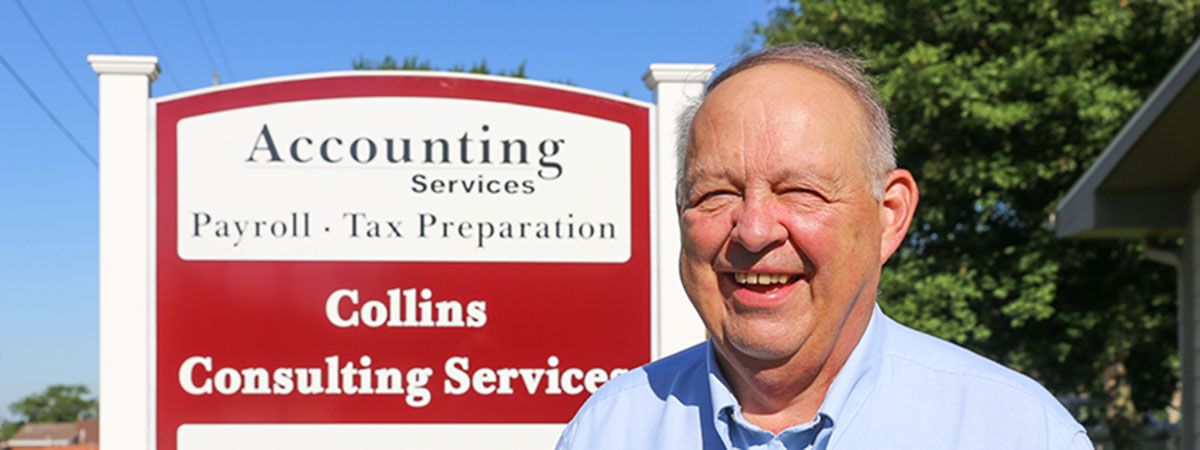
x=772, y=111
x=704, y=170
x=780, y=83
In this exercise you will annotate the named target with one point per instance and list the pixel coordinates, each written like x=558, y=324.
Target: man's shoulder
x=919, y=351
x=958, y=376
x=660, y=379
x=632, y=410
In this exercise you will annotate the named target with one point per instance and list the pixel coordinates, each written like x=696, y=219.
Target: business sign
x=359, y=248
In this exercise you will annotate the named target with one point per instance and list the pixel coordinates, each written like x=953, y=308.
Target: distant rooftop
x=84, y=434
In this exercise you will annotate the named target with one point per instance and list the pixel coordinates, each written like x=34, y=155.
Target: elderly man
x=789, y=204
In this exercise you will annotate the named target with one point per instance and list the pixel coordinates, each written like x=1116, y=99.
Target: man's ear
x=896, y=211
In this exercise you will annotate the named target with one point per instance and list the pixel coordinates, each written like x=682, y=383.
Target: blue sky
x=48, y=189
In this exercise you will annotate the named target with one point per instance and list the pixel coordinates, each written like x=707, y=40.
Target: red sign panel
x=425, y=259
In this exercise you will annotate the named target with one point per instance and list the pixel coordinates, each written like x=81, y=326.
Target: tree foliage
x=59, y=403
x=8, y=429
x=415, y=63
x=998, y=108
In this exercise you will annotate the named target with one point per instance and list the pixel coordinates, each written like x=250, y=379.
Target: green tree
x=998, y=108
x=8, y=429
x=415, y=63
x=59, y=403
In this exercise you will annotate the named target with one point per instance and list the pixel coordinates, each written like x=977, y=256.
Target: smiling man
x=790, y=203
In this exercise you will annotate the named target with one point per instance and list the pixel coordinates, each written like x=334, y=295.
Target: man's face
x=781, y=235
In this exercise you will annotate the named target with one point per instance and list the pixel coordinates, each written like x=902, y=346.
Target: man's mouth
x=762, y=279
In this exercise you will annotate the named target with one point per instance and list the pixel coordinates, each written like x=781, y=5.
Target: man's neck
x=776, y=395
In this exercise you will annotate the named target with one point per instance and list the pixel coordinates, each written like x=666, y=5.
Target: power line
x=53, y=53
x=154, y=45
x=49, y=113
x=217, y=39
x=196, y=29
x=96, y=18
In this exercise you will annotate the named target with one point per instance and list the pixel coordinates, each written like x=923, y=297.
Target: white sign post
x=676, y=87
x=125, y=237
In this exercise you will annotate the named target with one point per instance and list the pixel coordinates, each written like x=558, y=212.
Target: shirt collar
x=854, y=383
x=718, y=389
x=846, y=395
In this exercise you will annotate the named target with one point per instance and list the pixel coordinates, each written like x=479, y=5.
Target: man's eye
x=803, y=193
x=714, y=197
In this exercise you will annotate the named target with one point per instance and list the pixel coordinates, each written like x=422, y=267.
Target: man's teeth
x=760, y=278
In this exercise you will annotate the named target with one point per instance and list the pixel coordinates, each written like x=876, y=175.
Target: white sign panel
x=391, y=179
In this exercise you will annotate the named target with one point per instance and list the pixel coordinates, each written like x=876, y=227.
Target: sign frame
x=170, y=111
x=127, y=135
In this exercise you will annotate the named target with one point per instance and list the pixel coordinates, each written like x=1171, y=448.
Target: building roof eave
x=1086, y=210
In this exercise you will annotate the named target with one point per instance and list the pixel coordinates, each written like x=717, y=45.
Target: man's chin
x=768, y=348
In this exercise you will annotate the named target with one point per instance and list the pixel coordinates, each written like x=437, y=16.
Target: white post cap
x=125, y=64
x=680, y=73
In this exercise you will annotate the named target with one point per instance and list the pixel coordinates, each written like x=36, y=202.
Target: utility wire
x=196, y=29
x=53, y=53
x=49, y=113
x=217, y=39
x=154, y=45
x=96, y=18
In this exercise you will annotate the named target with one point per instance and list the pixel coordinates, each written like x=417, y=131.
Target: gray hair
x=878, y=153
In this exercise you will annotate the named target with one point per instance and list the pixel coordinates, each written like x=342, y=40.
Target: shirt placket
x=744, y=435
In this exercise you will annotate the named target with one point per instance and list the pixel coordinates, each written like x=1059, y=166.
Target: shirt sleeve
x=1081, y=442
x=564, y=439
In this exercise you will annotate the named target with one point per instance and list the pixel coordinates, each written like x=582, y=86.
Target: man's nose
x=757, y=225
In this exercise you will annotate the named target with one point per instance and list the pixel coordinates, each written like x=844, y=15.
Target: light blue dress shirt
x=900, y=389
